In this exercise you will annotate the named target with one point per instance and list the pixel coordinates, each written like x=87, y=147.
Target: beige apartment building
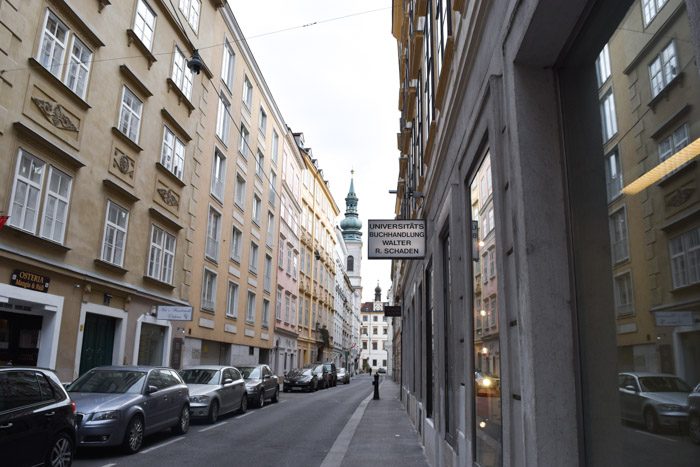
x=132, y=182
x=319, y=211
x=647, y=84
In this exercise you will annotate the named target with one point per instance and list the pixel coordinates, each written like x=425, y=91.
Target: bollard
x=376, y=387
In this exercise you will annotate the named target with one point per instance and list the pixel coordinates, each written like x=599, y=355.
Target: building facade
x=557, y=176
x=375, y=335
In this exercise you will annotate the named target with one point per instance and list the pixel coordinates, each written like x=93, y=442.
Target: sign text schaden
x=396, y=239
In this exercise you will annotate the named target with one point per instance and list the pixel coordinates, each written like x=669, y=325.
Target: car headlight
x=200, y=399
x=286, y=381
x=671, y=408
x=107, y=415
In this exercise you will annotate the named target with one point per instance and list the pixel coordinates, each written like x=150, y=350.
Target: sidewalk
x=385, y=436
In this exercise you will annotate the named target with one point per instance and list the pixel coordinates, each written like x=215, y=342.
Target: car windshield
x=663, y=384
x=319, y=369
x=250, y=372
x=109, y=382
x=200, y=376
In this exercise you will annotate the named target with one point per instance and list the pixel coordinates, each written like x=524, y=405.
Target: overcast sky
x=337, y=82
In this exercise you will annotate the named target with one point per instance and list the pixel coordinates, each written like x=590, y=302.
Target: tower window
x=351, y=263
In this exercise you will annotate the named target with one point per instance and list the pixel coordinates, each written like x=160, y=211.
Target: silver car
x=215, y=390
x=654, y=399
x=119, y=405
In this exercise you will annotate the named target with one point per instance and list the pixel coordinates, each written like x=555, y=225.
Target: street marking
x=213, y=426
x=244, y=415
x=146, y=451
x=109, y=465
x=656, y=436
x=340, y=447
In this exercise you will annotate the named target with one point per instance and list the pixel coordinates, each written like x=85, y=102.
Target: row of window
x=376, y=345
x=288, y=305
x=209, y=290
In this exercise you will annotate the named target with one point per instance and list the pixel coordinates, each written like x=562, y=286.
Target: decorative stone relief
x=679, y=197
x=169, y=197
x=55, y=115
x=123, y=163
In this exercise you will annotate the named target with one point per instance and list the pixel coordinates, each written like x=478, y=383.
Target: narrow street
x=299, y=430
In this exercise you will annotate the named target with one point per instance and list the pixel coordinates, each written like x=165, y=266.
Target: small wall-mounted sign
x=30, y=280
x=174, y=313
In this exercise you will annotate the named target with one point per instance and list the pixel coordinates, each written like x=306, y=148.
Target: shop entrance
x=19, y=339
x=98, y=341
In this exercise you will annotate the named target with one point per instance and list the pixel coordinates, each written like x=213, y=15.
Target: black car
x=37, y=418
x=301, y=378
x=260, y=384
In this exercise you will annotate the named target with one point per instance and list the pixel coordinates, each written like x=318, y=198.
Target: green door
x=98, y=342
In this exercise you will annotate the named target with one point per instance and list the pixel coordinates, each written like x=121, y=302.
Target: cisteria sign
x=29, y=280
x=396, y=239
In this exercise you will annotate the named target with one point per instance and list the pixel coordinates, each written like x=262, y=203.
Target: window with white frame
x=266, y=313
x=145, y=23
x=613, y=174
x=273, y=182
x=209, y=290
x=161, y=256
x=267, y=282
x=247, y=93
x=287, y=307
x=685, y=258
x=253, y=259
x=130, y=115
x=275, y=146
x=232, y=301
x=492, y=262
x=650, y=8
x=618, y=235
x=280, y=254
x=602, y=66
x=295, y=268
x=290, y=253
x=227, y=65
x=262, y=123
x=624, y=299
x=278, y=305
x=223, y=119
x=250, y=310
x=270, y=238
x=256, y=209
x=443, y=21
x=674, y=142
x=114, y=237
x=259, y=164
x=663, y=69
x=190, y=9
x=182, y=76
x=428, y=78
x=55, y=40
x=172, y=154
x=244, y=146
x=213, y=234
x=236, y=242
x=218, y=175
x=240, y=191
x=26, y=201
x=608, y=116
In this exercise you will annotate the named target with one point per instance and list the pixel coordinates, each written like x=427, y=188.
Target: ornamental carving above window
x=55, y=115
x=679, y=197
x=169, y=197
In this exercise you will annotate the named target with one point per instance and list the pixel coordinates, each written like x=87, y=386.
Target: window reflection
x=487, y=363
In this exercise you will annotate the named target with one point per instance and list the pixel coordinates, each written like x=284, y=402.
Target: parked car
x=37, y=418
x=694, y=415
x=119, y=405
x=381, y=371
x=302, y=378
x=260, y=384
x=215, y=390
x=656, y=400
x=324, y=378
x=343, y=376
x=486, y=384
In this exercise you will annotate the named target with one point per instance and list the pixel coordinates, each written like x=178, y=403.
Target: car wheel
x=694, y=428
x=61, y=452
x=133, y=438
x=244, y=404
x=275, y=396
x=183, y=423
x=651, y=423
x=213, y=415
x=261, y=399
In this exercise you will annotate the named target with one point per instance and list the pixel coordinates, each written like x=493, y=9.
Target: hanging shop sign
x=30, y=280
x=393, y=311
x=174, y=313
x=396, y=239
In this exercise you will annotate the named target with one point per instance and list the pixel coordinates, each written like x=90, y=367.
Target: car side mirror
x=151, y=389
x=266, y=377
x=228, y=381
x=629, y=387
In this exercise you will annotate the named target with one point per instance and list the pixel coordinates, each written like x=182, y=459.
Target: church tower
x=351, y=227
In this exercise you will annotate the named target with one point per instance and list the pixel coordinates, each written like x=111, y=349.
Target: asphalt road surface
x=298, y=431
